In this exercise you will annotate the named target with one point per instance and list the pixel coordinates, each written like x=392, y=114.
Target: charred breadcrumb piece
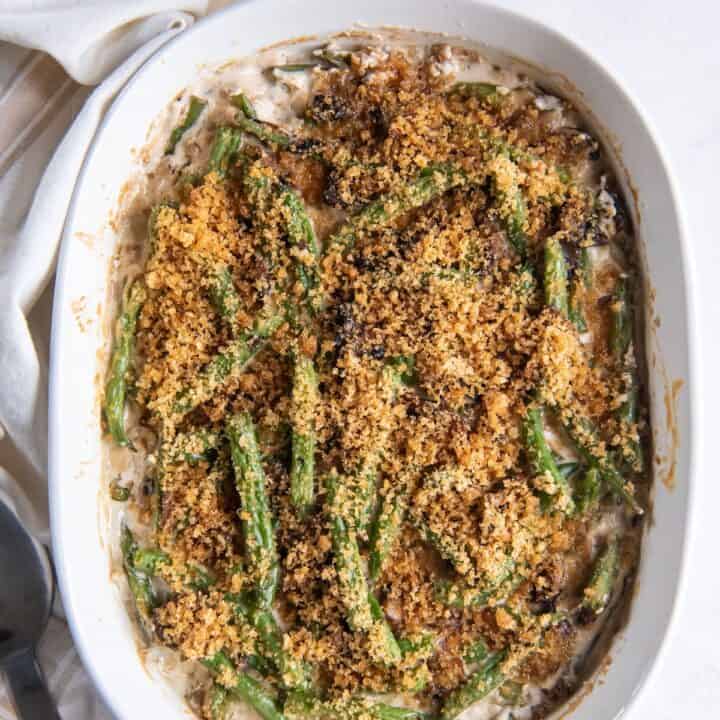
x=437, y=292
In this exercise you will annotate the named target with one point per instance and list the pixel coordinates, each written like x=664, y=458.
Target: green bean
x=293, y=673
x=152, y=222
x=224, y=150
x=585, y=267
x=300, y=229
x=241, y=351
x=480, y=684
x=516, y=216
x=300, y=706
x=336, y=60
x=257, y=520
x=490, y=674
x=616, y=483
x=382, y=711
x=385, y=531
x=304, y=408
x=259, y=664
x=447, y=549
x=515, y=225
x=628, y=415
x=118, y=492
x=585, y=435
x=242, y=686
x=416, y=651
x=477, y=652
x=258, y=188
x=192, y=447
x=271, y=654
x=390, y=652
x=543, y=463
x=432, y=181
x=480, y=90
x=262, y=131
x=496, y=146
x=147, y=560
x=363, y=611
x=567, y=468
x=525, y=283
x=564, y=174
x=224, y=296
x=218, y=702
x=229, y=363
x=294, y=67
x=242, y=103
x=448, y=273
x=581, y=282
x=460, y=595
x=587, y=489
x=556, y=272
x=387, y=524
x=423, y=645
x=357, y=493
x=621, y=330
x=121, y=362
x=599, y=589
x=576, y=313
x=405, y=371
x=197, y=105
x=621, y=333
x=348, y=563
x=139, y=582
x=198, y=578
x=301, y=235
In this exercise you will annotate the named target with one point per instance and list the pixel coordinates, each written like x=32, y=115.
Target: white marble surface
x=666, y=54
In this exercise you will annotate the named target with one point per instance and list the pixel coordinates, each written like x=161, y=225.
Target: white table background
x=667, y=55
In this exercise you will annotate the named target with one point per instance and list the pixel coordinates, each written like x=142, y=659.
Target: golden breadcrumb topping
x=427, y=317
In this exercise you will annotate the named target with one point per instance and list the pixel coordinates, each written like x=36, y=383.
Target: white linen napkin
x=89, y=38
x=93, y=41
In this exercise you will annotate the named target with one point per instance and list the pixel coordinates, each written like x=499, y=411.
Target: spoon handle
x=27, y=687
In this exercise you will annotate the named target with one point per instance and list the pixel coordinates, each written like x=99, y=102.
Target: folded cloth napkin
x=90, y=38
x=91, y=41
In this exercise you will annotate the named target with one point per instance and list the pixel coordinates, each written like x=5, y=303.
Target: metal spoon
x=26, y=591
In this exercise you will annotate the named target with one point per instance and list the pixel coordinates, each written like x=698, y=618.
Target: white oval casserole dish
x=101, y=627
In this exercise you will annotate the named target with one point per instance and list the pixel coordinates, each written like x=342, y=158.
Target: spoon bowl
x=26, y=594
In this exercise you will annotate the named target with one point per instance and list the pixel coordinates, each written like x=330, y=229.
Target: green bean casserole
x=377, y=381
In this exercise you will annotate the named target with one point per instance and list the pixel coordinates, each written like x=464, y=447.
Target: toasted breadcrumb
x=430, y=342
